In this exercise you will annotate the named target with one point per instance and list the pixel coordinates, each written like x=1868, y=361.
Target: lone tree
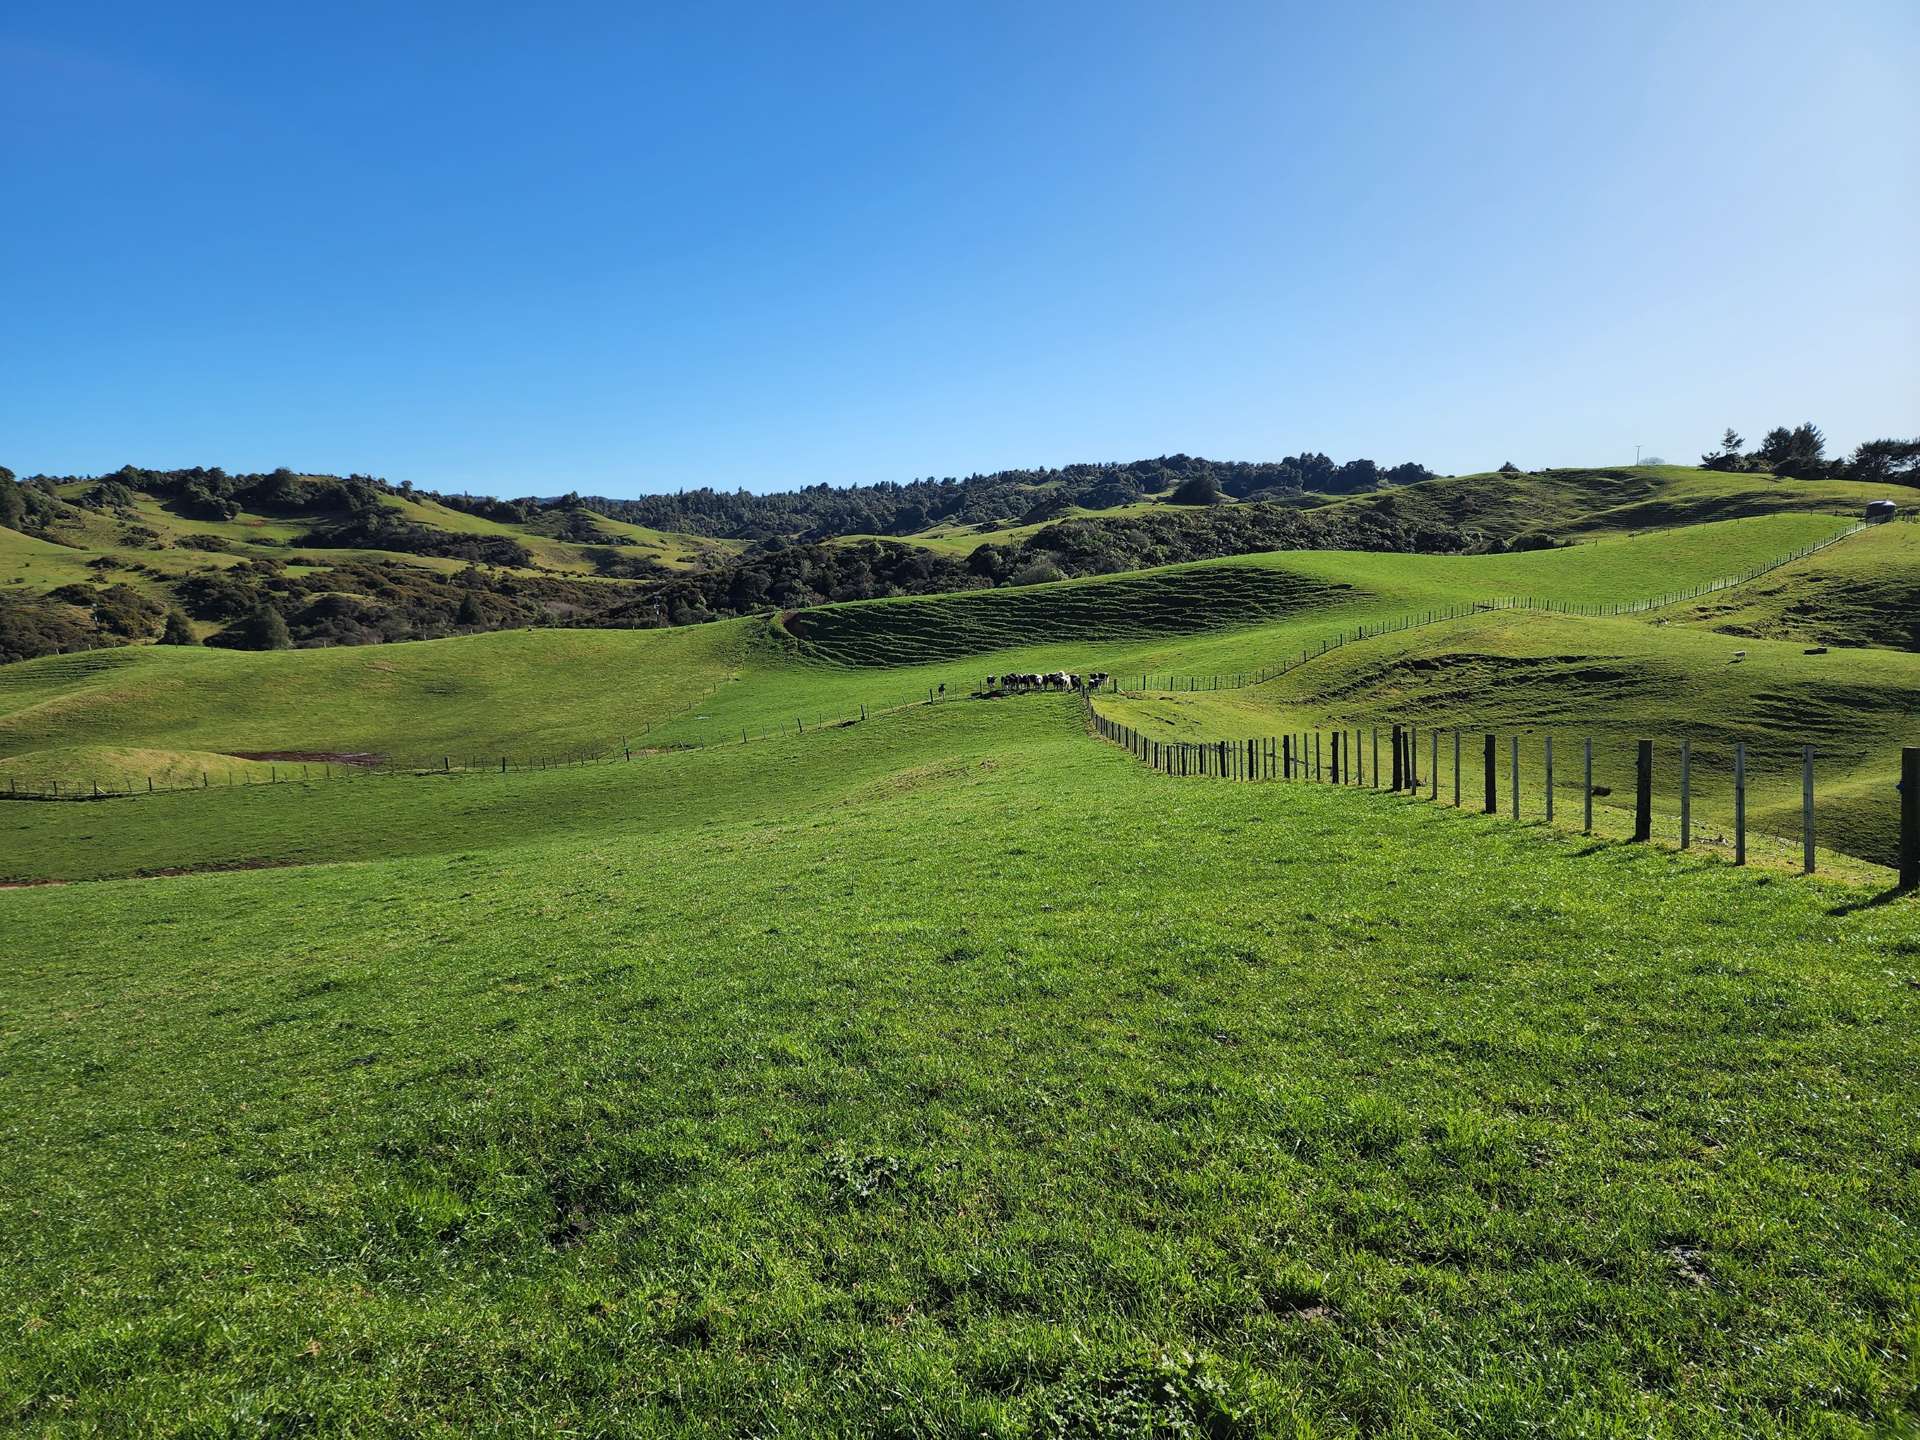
x=470, y=611
x=1507, y=467
x=178, y=632
x=1730, y=456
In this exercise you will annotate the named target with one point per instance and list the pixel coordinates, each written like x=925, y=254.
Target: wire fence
x=1732, y=797
x=242, y=770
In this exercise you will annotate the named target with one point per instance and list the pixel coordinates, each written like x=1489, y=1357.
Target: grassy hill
x=559, y=689
x=349, y=562
x=1864, y=593
x=1626, y=500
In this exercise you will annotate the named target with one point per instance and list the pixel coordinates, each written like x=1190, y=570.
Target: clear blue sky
x=623, y=248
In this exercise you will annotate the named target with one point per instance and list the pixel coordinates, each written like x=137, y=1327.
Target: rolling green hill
x=1627, y=500
x=529, y=690
x=1863, y=593
x=352, y=562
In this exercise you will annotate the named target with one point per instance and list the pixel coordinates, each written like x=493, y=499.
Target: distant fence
x=1592, y=610
x=1351, y=756
x=313, y=767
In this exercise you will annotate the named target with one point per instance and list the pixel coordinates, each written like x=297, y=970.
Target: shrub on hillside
x=1200, y=490
x=32, y=626
x=263, y=629
x=1535, y=540
x=1038, y=572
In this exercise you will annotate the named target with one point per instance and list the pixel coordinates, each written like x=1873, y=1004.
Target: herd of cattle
x=1052, y=680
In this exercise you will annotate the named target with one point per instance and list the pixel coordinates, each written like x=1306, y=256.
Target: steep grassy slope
x=912, y=631
x=1018, y=1091
x=1866, y=592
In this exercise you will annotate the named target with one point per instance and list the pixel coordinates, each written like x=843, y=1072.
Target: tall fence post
x=1909, y=818
x=1376, y=757
x=1806, y=808
x=1493, y=800
x=1740, y=803
x=1513, y=777
x=1549, y=779
x=1413, y=759
x=1586, y=790
x=1643, y=790
x=1456, y=767
x=1433, y=766
x=1399, y=761
x=1686, y=794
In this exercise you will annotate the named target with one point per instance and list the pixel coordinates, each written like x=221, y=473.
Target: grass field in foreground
x=1021, y=1093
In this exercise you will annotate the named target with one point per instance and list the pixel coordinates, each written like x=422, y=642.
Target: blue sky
x=622, y=248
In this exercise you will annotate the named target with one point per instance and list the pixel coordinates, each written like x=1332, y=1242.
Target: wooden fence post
x=1806, y=808
x=1686, y=794
x=1318, y=773
x=1643, y=790
x=1433, y=767
x=1456, y=767
x=1376, y=757
x=1549, y=778
x=1286, y=757
x=1909, y=818
x=1513, y=748
x=1586, y=787
x=1413, y=759
x=1493, y=800
x=1399, y=760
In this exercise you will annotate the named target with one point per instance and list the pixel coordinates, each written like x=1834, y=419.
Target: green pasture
x=949, y=1074
x=550, y=691
x=1863, y=593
